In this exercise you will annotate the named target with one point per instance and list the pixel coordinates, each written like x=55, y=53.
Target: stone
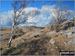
x=65, y=43
x=52, y=41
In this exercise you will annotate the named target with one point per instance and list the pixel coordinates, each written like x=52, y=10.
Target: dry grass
x=28, y=44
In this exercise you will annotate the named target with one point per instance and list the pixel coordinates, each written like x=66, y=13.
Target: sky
x=46, y=9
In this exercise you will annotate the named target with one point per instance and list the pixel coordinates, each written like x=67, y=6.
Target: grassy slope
x=29, y=44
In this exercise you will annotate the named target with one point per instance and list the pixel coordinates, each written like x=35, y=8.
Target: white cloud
x=65, y=14
x=42, y=17
x=48, y=9
x=6, y=18
x=33, y=15
x=31, y=11
x=32, y=20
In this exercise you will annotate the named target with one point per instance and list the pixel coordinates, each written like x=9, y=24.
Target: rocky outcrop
x=70, y=33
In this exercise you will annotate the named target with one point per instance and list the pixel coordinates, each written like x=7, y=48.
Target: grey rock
x=52, y=41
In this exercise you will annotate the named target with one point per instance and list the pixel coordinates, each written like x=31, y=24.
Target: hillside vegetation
x=38, y=41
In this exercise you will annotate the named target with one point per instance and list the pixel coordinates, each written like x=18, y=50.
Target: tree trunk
x=12, y=30
x=74, y=21
x=12, y=34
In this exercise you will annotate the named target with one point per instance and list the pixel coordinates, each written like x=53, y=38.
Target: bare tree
x=18, y=7
x=58, y=18
x=61, y=14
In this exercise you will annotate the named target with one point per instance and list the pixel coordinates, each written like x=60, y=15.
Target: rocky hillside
x=37, y=41
x=62, y=26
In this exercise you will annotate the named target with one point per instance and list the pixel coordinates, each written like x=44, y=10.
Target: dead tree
x=61, y=14
x=18, y=7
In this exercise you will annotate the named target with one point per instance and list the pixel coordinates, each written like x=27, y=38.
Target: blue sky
x=6, y=7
